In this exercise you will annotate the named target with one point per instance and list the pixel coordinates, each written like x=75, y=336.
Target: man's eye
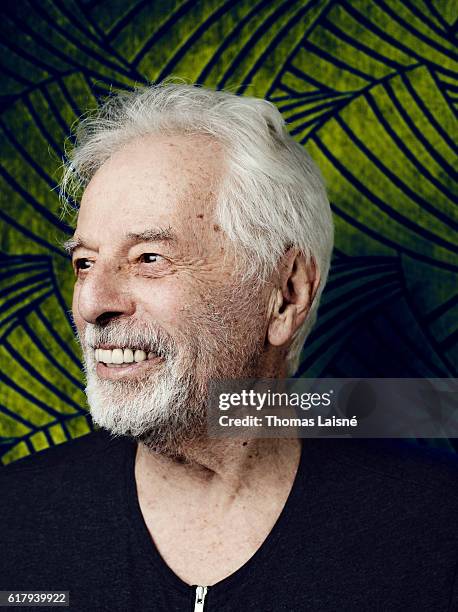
x=82, y=264
x=150, y=258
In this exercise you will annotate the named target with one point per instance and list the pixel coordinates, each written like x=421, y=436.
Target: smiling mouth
x=116, y=363
x=120, y=357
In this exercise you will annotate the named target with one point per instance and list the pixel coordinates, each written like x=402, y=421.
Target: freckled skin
x=152, y=182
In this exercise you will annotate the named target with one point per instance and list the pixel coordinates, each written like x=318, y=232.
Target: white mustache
x=143, y=336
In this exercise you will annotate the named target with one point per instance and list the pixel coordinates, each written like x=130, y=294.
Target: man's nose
x=104, y=295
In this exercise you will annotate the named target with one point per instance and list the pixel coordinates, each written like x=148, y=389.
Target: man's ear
x=291, y=301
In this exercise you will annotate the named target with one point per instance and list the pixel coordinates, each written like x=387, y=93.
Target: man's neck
x=209, y=513
x=231, y=466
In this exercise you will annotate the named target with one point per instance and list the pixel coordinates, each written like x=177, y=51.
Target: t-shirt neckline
x=248, y=571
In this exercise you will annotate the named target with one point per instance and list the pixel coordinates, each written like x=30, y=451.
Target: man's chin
x=164, y=416
x=167, y=438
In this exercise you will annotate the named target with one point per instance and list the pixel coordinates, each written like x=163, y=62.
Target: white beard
x=162, y=408
x=166, y=408
x=133, y=407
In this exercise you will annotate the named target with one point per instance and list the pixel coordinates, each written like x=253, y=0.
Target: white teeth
x=139, y=356
x=117, y=356
x=128, y=356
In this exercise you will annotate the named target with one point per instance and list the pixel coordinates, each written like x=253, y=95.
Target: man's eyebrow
x=157, y=234
x=72, y=244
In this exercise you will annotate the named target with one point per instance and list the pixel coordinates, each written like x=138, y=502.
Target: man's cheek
x=163, y=301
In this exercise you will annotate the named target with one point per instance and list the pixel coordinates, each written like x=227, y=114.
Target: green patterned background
x=369, y=87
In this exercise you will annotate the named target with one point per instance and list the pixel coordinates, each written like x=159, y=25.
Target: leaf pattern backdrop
x=368, y=86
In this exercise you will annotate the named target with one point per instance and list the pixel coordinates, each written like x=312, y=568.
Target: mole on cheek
x=200, y=216
x=216, y=228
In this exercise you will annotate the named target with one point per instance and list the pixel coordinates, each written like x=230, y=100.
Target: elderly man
x=202, y=246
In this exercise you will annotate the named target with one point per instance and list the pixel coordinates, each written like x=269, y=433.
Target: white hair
x=272, y=196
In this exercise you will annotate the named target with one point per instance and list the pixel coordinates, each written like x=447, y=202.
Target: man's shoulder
x=40, y=474
x=76, y=449
x=402, y=463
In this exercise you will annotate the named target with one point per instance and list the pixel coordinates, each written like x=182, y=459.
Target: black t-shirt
x=369, y=525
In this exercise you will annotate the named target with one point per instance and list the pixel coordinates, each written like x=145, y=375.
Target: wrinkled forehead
x=155, y=181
